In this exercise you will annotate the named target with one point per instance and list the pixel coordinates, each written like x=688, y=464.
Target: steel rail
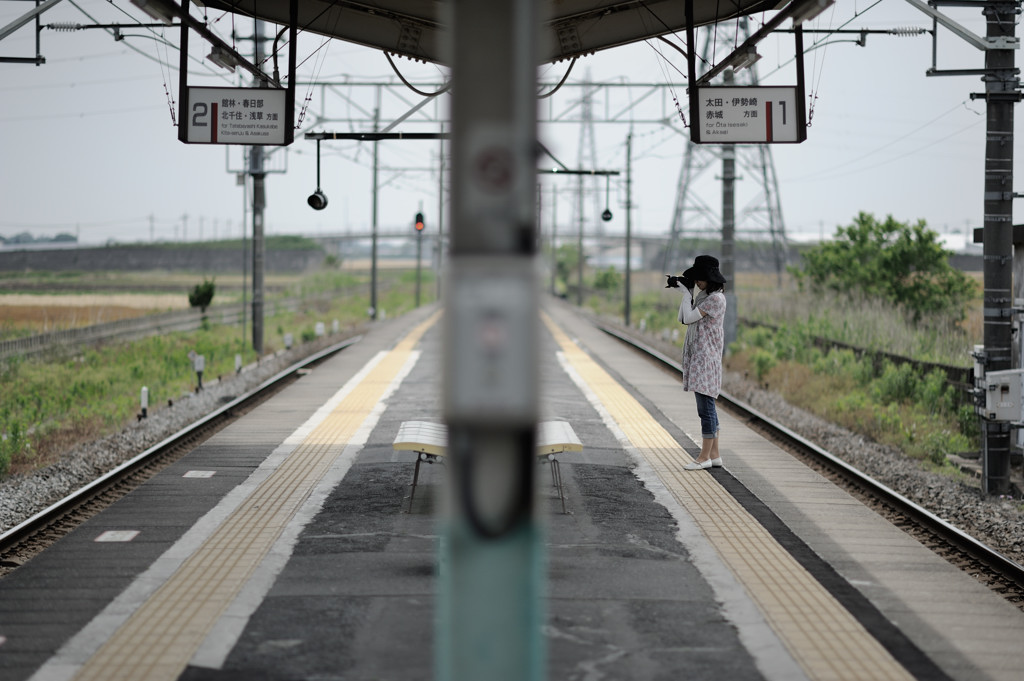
x=26, y=529
x=977, y=550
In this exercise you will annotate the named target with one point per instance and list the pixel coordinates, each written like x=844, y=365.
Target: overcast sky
x=89, y=144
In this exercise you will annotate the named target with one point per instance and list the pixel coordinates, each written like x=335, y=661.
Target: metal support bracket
x=957, y=72
x=997, y=313
x=1002, y=43
x=10, y=28
x=25, y=18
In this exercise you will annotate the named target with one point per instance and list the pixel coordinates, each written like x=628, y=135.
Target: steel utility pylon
x=587, y=158
x=760, y=220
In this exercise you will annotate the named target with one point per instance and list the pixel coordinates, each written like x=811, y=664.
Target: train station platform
x=285, y=546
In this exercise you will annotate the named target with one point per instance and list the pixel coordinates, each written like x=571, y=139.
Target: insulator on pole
x=65, y=26
x=904, y=31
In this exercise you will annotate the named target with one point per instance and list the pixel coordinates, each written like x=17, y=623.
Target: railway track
x=20, y=543
x=132, y=328
x=985, y=563
x=1003, y=575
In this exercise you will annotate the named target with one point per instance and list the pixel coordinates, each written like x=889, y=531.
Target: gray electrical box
x=979, y=366
x=492, y=327
x=1003, y=395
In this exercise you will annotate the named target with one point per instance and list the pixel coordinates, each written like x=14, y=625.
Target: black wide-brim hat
x=705, y=268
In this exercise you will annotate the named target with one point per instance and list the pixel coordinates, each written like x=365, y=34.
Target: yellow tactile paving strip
x=824, y=639
x=158, y=640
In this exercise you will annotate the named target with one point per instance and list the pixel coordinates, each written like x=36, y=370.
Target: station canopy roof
x=415, y=28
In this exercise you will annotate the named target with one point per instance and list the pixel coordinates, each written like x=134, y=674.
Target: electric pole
x=728, y=263
x=258, y=203
x=629, y=226
x=1001, y=93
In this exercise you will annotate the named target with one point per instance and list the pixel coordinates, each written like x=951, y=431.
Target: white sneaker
x=697, y=465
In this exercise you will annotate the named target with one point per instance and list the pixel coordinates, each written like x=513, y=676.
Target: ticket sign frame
x=250, y=116
x=735, y=115
x=256, y=116
x=750, y=115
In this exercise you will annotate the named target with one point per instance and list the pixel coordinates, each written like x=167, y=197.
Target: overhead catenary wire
x=818, y=67
x=824, y=174
x=157, y=36
x=825, y=37
x=662, y=61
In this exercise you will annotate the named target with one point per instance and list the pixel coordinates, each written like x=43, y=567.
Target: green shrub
x=608, y=280
x=888, y=403
x=936, y=394
x=837, y=362
x=757, y=337
x=941, y=443
x=12, y=441
x=896, y=384
x=901, y=263
x=863, y=371
x=763, y=362
x=967, y=420
x=202, y=295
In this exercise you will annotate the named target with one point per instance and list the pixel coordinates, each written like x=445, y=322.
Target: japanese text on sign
x=748, y=114
x=236, y=116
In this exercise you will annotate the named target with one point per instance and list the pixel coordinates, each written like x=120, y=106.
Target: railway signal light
x=419, y=222
x=317, y=200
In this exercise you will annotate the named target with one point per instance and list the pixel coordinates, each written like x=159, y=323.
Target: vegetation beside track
x=901, y=404
x=51, y=404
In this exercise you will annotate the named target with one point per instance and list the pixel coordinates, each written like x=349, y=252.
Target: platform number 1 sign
x=760, y=115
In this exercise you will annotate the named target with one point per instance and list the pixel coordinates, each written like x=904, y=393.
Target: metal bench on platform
x=430, y=442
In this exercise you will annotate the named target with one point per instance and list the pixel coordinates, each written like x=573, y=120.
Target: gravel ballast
x=22, y=496
x=998, y=522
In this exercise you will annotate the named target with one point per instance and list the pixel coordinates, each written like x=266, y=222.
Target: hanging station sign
x=251, y=116
x=751, y=114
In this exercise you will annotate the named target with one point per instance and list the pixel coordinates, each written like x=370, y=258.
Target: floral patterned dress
x=704, y=345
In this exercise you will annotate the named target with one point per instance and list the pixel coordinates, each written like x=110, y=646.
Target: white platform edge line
x=760, y=640
x=224, y=635
x=67, y=661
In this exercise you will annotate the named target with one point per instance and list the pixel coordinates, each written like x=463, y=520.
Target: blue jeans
x=708, y=416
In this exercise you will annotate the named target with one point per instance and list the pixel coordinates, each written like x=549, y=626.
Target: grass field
x=40, y=302
x=26, y=314
x=48, y=404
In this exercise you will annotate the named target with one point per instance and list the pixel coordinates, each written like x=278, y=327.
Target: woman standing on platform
x=703, y=311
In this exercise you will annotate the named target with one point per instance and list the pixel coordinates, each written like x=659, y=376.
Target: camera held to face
x=674, y=282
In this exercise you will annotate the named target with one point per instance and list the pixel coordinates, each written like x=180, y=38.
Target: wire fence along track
x=1006, y=570
x=141, y=327
x=960, y=377
x=123, y=329
x=32, y=535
